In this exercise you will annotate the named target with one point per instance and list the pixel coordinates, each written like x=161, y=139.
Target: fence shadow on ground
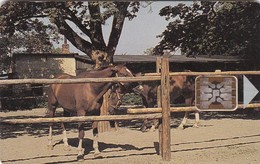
x=256, y=138
x=39, y=157
x=36, y=130
x=87, y=144
x=249, y=114
x=41, y=130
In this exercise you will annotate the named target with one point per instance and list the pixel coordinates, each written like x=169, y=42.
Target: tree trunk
x=100, y=58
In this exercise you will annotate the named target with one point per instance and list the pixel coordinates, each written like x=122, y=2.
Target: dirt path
x=233, y=138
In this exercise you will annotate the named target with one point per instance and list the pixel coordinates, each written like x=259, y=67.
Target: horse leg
x=50, y=144
x=80, y=155
x=144, y=126
x=188, y=101
x=51, y=111
x=197, y=119
x=145, y=103
x=154, y=125
x=95, y=139
x=116, y=125
x=184, y=120
x=64, y=132
x=52, y=105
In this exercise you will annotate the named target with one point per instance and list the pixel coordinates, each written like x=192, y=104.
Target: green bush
x=131, y=99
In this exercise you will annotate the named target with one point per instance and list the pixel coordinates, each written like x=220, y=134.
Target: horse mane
x=97, y=70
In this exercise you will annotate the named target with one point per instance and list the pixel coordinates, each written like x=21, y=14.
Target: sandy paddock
x=221, y=138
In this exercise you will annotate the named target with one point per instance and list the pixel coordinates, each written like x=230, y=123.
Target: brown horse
x=180, y=86
x=82, y=99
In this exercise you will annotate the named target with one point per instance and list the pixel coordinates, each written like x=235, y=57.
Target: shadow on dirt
x=106, y=148
x=36, y=130
x=41, y=157
x=249, y=114
x=87, y=144
x=256, y=141
x=41, y=130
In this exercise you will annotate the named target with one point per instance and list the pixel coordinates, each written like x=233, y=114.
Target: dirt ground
x=221, y=138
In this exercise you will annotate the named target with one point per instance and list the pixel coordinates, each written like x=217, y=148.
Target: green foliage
x=132, y=99
x=22, y=42
x=212, y=28
x=56, y=50
x=149, y=51
x=63, y=17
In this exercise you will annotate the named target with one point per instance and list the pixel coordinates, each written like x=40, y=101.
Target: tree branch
x=117, y=26
x=72, y=36
x=33, y=16
x=75, y=20
x=96, y=34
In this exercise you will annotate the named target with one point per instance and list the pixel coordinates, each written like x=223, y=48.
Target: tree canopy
x=22, y=42
x=212, y=28
x=68, y=18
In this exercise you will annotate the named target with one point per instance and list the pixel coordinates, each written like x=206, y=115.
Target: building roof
x=173, y=59
x=45, y=54
x=146, y=58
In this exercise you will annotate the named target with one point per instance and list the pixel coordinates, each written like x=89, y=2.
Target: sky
x=140, y=33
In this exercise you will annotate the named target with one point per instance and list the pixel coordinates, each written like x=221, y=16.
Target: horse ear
x=138, y=74
x=121, y=64
x=117, y=67
x=114, y=68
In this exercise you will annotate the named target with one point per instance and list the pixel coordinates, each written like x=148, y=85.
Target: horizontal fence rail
x=80, y=80
x=20, y=98
x=82, y=119
x=177, y=109
x=207, y=73
x=147, y=77
x=162, y=113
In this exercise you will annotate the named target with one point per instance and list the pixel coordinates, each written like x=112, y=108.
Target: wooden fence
x=162, y=112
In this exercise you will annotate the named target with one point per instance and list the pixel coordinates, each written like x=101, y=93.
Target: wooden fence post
x=166, y=113
x=159, y=101
x=158, y=70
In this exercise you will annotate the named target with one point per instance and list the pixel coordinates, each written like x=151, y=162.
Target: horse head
x=122, y=71
x=119, y=88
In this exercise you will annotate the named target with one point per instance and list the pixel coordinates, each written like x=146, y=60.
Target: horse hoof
x=152, y=130
x=180, y=128
x=80, y=158
x=115, y=129
x=50, y=147
x=67, y=148
x=195, y=126
x=97, y=155
x=143, y=129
